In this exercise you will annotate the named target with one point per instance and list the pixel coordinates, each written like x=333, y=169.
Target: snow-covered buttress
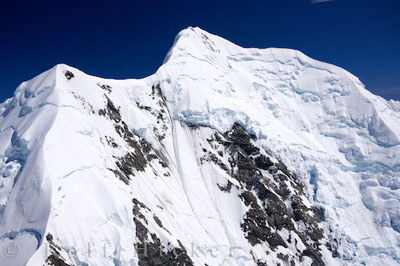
x=225, y=156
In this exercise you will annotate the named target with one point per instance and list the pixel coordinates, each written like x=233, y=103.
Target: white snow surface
x=342, y=140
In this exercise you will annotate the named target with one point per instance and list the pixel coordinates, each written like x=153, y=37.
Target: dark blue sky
x=129, y=39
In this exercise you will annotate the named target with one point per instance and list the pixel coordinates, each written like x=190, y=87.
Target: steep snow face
x=225, y=156
x=317, y=118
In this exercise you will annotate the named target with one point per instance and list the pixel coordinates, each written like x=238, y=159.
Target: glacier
x=225, y=156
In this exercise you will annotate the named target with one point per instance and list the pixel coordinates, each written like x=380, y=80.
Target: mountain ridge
x=216, y=137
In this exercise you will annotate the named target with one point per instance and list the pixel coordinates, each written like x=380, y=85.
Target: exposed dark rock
x=161, y=113
x=105, y=87
x=55, y=257
x=143, y=107
x=226, y=188
x=158, y=221
x=68, y=74
x=249, y=199
x=283, y=168
x=149, y=248
x=151, y=157
x=132, y=161
x=273, y=194
x=163, y=164
x=120, y=176
x=102, y=112
x=135, y=159
x=113, y=112
x=137, y=207
x=241, y=138
x=281, y=187
x=333, y=248
x=278, y=215
x=157, y=92
x=141, y=230
x=247, y=172
x=283, y=257
x=255, y=225
x=56, y=261
x=278, y=190
x=152, y=253
x=140, y=151
x=320, y=211
x=85, y=104
x=213, y=158
x=315, y=256
x=261, y=263
x=301, y=213
x=146, y=147
x=263, y=162
x=111, y=141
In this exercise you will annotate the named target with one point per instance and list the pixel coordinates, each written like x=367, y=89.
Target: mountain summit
x=225, y=156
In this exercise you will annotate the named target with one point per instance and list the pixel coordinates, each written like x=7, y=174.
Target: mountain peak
x=194, y=40
x=193, y=33
x=264, y=156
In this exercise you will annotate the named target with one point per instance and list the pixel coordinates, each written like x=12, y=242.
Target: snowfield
x=225, y=156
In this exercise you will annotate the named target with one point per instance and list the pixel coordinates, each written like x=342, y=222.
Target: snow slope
x=94, y=170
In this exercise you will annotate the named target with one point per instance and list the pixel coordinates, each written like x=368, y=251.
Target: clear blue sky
x=129, y=39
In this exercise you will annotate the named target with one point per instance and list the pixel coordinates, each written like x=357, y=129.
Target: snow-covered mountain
x=225, y=156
